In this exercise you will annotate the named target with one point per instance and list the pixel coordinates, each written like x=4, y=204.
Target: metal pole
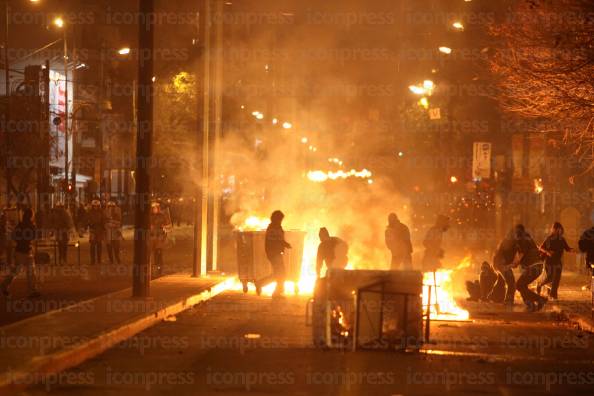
x=205, y=141
x=218, y=132
x=66, y=148
x=73, y=172
x=8, y=174
x=142, y=269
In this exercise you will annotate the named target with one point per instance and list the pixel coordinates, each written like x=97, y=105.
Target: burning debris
x=440, y=298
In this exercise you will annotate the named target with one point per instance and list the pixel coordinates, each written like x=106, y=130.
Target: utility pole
x=7, y=131
x=200, y=266
x=142, y=204
x=218, y=119
x=66, y=148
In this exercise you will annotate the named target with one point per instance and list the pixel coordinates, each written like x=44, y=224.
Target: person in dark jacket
x=160, y=227
x=62, y=225
x=433, y=242
x=113, y=231
x=397, y=237
x=96, y=223
x=504, y=262
x=586, y=245
x=531, y=265
x=23, y=235
x=332, y=250
x=553, y=248
x=275, y=246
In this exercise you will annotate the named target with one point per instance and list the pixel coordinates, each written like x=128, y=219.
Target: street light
x=445, y=50
x=417, y=90
x=124, y=51
x=59, y=22
x=458, y=25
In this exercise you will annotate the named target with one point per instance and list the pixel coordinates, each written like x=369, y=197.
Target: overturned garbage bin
x=253, y=265
x=368, y=309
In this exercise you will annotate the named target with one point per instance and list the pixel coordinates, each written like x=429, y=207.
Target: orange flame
x=443, y=305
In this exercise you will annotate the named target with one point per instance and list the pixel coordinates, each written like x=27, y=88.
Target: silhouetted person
x=275, y=246
x=23, y=236
x=586, y=245
x=433, y=244
x=96, y=223
x=553, y=248
x=397, y=237
x=484, y=288
x=332, y=250
x=531, y=265
x=160, y=226
x=504, y=263
x=62, y=225
x=113, y=231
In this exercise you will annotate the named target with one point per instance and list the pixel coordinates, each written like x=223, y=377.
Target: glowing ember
x=319, y=176
x=442, y=304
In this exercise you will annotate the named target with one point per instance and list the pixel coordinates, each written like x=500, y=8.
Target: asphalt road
x=242, y=344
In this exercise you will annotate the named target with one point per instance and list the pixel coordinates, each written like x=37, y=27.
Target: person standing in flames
x=397, y=239
x=433, y=244
x=275, y=246
x=332, y=250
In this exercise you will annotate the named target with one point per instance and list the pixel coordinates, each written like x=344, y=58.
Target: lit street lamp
x=445, y=50
x=458, y=26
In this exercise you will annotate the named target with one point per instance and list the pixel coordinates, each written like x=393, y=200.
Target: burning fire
x=442, y=304
x=254, y=223
x=319, y=176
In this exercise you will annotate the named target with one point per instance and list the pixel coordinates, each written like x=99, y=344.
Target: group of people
x=333, y=251
x=19, y=231
x=542, y=264
x=497, y=283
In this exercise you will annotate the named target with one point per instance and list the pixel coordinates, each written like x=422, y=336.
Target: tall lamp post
x=144, y=137
x=59, y=23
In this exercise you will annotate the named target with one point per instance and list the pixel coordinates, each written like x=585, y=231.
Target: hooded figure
x=433, y=244
x=275, y=246
x=332, y=250
x=397, y=237
x=531, y=265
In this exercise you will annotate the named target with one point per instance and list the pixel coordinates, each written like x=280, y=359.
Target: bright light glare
x=417, y=90
x=59, y=22
x=124, y=51
x=458, y=25
x=287, y=125
x=445, y=50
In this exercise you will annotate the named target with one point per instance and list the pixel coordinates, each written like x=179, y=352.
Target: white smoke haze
x=276, y=178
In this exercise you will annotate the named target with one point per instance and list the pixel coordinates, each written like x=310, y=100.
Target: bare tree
x=545, y=68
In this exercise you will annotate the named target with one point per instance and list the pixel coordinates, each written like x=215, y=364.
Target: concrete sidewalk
x=60, y=339
x=575, y=300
